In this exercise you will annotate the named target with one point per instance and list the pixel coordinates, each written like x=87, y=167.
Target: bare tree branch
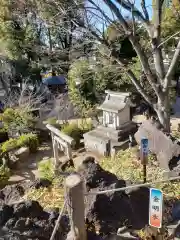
x=128, y=6
x=172, y=67
x=172, y=36
x=146, y=14
x=137, y=47
x=133, y=78
x=155, y=36
x=118, y=14
x=138, y=86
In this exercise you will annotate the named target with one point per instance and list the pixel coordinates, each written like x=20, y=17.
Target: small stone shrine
x=116, y=128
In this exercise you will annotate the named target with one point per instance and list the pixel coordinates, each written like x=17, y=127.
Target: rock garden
x=30, y=209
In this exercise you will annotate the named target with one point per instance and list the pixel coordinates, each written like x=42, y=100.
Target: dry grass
x=48, y=198
x=52, y=197
x=176, y=134
x=127, y=167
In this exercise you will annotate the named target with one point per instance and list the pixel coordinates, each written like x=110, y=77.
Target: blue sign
x=144, y=146
x=155, y=208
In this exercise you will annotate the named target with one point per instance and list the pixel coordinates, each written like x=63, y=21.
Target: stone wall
x=124, y=116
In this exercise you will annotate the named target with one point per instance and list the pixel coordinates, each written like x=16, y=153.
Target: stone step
x=118, y=135
x=109, y=131
x=102, y=135
x=126, y=127
x=98, y=134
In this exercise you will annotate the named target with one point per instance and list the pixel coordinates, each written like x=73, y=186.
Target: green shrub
x=9, y=145
x=86, y=126
x=73, y=131
x=17, y=119
x=5, y=174
x=3, y=130
x=29, y=140
x=46, y=169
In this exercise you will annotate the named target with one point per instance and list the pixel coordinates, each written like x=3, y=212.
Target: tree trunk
x=164, y=119
x=163, y=113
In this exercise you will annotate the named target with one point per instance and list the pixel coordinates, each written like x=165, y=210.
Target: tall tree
x=58, y=18
x=150, y=54
x=34, y=35
x=20, y=37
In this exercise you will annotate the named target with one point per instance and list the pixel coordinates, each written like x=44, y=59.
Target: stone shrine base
x=106, y=141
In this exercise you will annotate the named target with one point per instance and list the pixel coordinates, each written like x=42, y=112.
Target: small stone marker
x=155, y=208
x=159, y=144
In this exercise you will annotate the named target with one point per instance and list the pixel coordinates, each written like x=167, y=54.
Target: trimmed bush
x=46, y=169
x=5, y=174
x=29, y=140
x=9, y=145
x=73, y=131
x=17, y=119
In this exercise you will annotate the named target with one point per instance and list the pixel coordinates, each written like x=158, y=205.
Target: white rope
x=131, y=187
x=58, y=220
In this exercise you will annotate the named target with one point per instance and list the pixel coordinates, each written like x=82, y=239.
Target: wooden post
x=144, y=173
x=144, y=163
x=76, y=207
x=69, y=151
x=56, y=155
x=53, y=143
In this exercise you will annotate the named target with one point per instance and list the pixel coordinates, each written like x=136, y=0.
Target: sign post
x=144, y=156
x=155, y=208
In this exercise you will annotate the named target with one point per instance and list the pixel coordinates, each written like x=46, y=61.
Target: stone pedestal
x=105, y=140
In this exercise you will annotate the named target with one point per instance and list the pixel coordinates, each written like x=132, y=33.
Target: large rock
x=40, y=183
x=28, y=220
x=26, y=209
x=11, y=193
x=3, y=136
x=176, y=211
x=164, y=146
x=18, y=157
x=22, y=153
x=110, y=211
x=6, y=212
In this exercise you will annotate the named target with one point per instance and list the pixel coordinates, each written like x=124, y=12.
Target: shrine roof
x=115, y=102
x=112, y=107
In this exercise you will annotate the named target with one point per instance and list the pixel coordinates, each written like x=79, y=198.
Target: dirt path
x=28, y=169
